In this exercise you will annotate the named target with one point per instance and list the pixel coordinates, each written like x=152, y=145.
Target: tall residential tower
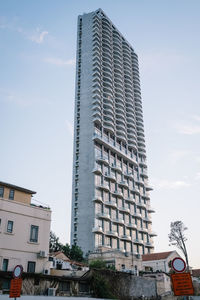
x=110, y=202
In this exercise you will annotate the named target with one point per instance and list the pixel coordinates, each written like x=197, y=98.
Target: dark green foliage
x=97, y=264
x=74, y=253
x=54, y=244
x=66, y=250
x=100, y=287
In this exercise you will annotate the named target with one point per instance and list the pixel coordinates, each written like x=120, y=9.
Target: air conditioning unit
x=42, y=254
x=51, y=291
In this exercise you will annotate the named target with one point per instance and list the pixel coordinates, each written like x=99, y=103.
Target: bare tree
x=177, y=237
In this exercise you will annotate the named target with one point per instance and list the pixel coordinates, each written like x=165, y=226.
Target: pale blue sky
x=37, y=55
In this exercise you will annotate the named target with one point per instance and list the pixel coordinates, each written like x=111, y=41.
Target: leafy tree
x=177, y=237
x=66, y=250
x=98, y=264
x=54, y=244
x=76, y=253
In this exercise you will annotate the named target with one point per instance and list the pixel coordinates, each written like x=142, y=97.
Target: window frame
x=34, y=236
x=31, y=264
x=1, y=191
x=5, y=260
x=11, y=194
x=10, y=230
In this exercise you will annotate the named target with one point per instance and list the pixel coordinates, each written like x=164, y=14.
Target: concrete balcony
x=132, y=226
x=152, y=233
x=129, y=199
x=97, y=229
x=125, y=237
x=147, y=219
x=137, y=215
x=112, y=233
x=142, y=164
x=146, y=197
x=111, y=204
x=97, y=119
x=123, y=184
x=129, y=175
x=116, y=168
x=97, y=171
x=145, y=230
x=98, y=199
x=149, y=245
x=135, y=190
x=118, y=194
x=140, y=204
x=124, y=209
x=149, y=188
x=118, y=221
x=103, y=160
x=103, y=216
x=138, y=241
x=144, y=174
x=103, y=186
x=110, y=176
x=150, y=209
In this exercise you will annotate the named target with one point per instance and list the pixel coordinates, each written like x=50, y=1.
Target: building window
x=1, y=191
x=10, y=226
x=11, y=194
x=64, y=286
x=31, y=267
x=5, y=265
x=34, y=233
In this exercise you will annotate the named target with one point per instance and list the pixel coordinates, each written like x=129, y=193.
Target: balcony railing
x=112, y=233
x=125, y=237
x=118, y=221
x=97, y=229
x=102, y=159
x=103, y=216
x=111, y=204
x=113, y=144
x=103, y=186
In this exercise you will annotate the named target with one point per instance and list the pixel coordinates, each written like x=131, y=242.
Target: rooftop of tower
x=100, y=11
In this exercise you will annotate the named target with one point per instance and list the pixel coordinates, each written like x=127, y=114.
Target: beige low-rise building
x=24, y=230
x=121, y=261
x=158, y=261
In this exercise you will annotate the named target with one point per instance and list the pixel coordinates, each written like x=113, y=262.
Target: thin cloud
x=197, y=177
x=70, y=127
x=38, y=36
x=196, y=118
x=159, y=61
x=188, y=129
x=21, y=100
x=35, y=35
x=59, y=62
x=178, y=155
x=170, y=185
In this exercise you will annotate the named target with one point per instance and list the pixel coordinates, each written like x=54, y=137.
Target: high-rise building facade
x=110, y=196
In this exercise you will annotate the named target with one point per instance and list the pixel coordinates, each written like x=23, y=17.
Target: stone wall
x=127, y=286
